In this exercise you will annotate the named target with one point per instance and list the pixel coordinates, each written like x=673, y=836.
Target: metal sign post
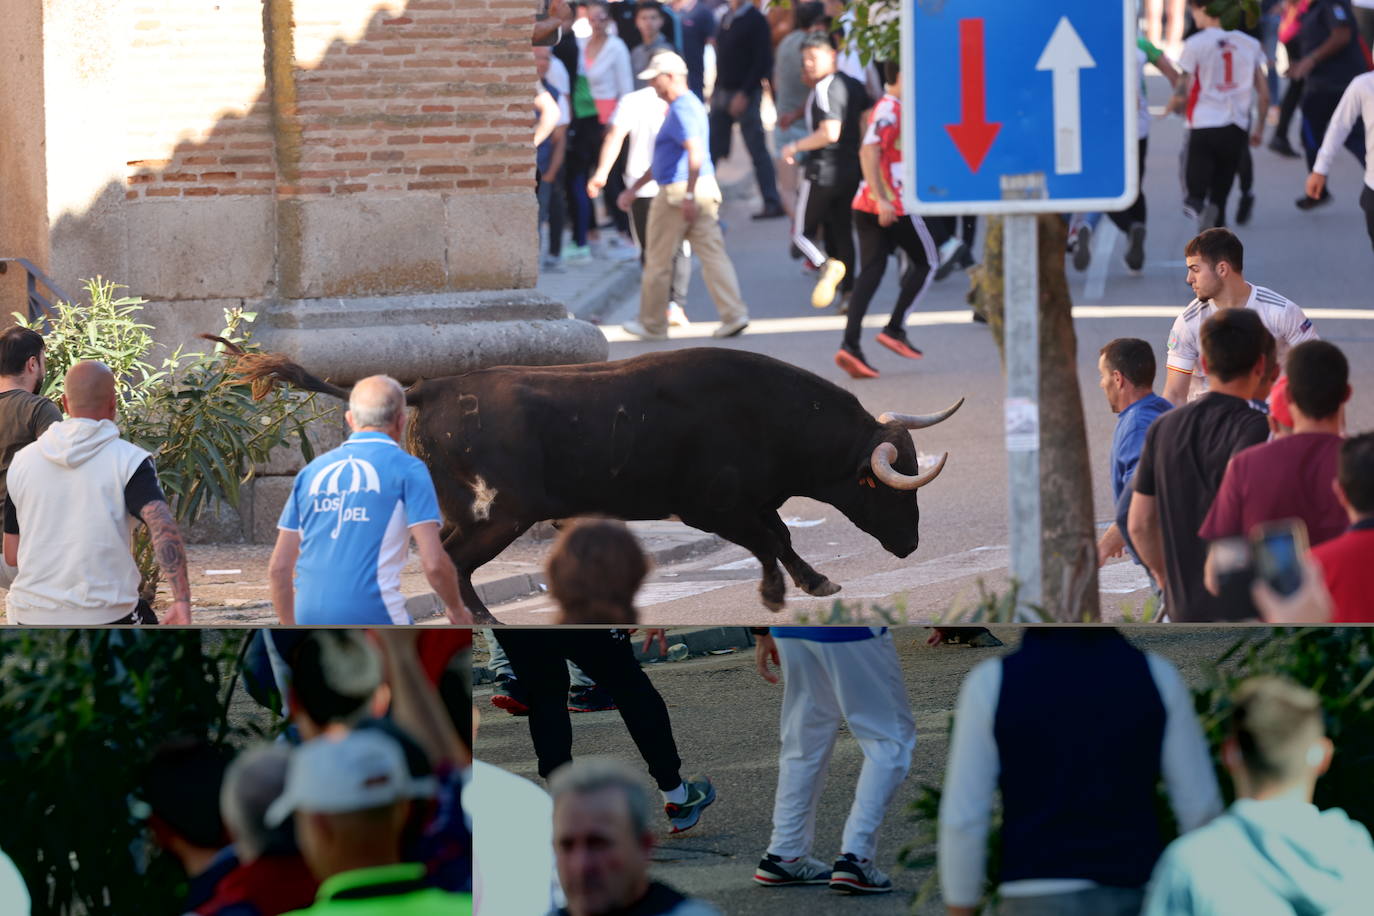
x=996, y=95
x=1021, y=285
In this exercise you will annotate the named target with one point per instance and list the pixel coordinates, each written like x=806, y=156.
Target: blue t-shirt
x=828, y=634
x=686, y=120
x=1129, y=438
x=354, y=508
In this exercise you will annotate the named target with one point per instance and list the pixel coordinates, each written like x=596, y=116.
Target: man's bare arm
x=1146, y=535
x=169, y=549
x=1176, y=385
x=281, y=571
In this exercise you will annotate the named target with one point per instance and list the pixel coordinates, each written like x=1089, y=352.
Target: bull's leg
x=473, y=547
x=754, y=536
x=806, y=578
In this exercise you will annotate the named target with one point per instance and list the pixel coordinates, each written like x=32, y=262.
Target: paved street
x=1320, y=259
x=725, y=720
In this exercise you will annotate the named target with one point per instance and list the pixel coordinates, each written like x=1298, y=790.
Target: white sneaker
x=775, y=872
x=731, y=328
x=638, y=330
x=677, y=318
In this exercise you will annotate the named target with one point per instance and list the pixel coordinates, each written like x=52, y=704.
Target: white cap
x=664, y=62
x=363, y=769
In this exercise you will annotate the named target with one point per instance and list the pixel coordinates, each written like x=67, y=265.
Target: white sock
x=676, y=796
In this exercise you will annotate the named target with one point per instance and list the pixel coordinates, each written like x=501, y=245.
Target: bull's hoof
x=774, y=601
x=821, y=588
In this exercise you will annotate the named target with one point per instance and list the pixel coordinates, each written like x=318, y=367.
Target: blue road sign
x=1019, y=106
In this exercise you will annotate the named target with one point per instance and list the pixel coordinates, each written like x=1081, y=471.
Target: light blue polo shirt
x=354, y=507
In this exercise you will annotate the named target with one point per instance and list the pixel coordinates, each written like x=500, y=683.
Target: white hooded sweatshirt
x=75, y=532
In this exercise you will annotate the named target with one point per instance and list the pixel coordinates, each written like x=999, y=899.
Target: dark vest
x=1079, y=729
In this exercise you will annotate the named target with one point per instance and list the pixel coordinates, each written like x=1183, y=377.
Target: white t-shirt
x=641, y=113
x=1356, y=104
x=1281, y=316
x=1224, y=90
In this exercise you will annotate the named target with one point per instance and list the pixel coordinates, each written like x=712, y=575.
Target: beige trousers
x=666, y=231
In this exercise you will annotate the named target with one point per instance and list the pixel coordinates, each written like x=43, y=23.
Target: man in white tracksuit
x=831, y=673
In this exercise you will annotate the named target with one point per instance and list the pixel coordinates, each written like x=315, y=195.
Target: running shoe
x=1312, y=203
x=732, y=328
x=832, y=272
x=1281, y=146
x=1192, y=208
x=1244, y=209
x=776, y=872
x=1082, y=247
x=636, y=329
x=682, y=817
x=1135, y=247
x=897, y=342
x=851, y=360
x=577, y=253
x=852, y=875
x=510, y=696
x=677, y=318
x=590, y=699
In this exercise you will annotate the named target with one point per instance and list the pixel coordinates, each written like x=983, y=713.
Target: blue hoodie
x=1281, y=856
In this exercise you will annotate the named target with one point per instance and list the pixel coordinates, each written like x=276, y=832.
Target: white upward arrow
x=1065, y=55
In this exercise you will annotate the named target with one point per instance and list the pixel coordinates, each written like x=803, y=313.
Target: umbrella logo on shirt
x=335, y=481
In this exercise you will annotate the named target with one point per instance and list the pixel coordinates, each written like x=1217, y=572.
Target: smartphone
x=1278, y=548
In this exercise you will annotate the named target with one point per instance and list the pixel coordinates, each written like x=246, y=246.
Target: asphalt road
x=1320, y=259
x=725, y=721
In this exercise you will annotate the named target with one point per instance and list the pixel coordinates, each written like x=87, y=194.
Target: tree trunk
x=1068, y=546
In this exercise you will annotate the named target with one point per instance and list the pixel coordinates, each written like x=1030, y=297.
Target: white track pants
x=861, y=682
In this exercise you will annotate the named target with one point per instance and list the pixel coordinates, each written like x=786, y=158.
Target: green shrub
x=202, y=426
x=80, y=712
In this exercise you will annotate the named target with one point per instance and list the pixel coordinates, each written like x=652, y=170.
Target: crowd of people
x=1076, y=730
x=354, y=808
x=834, y=168
x=1079, y=714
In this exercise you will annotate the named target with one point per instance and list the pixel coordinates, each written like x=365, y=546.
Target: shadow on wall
x=398, y=162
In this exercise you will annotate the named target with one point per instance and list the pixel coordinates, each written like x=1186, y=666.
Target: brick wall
x=322, y=98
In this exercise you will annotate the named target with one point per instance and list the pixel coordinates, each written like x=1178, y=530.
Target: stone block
x=363, y=246
x=492, y=240
x=224, y=524
x=201, y=248
x=269, y=495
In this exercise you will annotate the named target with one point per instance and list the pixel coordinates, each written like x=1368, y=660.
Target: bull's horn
x=921, y=421
x=883, y=470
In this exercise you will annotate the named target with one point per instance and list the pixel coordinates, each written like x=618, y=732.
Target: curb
x=521, y=585
x=615, y=283
x=698, y=642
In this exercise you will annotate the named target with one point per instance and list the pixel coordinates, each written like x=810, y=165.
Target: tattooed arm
x=170, y=551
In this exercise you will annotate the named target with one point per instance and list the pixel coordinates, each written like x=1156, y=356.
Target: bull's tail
x=264, y=370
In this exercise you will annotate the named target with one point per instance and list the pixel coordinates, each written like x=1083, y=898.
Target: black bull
x=720, y=438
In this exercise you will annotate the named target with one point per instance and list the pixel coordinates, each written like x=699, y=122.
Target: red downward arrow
x=974, y=135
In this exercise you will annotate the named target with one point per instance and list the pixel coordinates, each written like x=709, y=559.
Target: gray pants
x=1094, y=901
x=500, y=665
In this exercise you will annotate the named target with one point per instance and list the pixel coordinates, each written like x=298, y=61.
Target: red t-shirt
x=1348, y=565
x=884, y=130
x=1287, y=478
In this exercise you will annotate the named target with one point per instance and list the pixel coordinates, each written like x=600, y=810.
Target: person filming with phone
x=1289, y=477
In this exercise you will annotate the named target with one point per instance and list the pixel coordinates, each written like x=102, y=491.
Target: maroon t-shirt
x=1287, y=478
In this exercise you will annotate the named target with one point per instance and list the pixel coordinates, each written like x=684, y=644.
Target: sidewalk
x=229, y=583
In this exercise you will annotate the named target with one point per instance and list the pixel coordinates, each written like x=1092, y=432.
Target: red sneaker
x=899, y=345
x=854, y=364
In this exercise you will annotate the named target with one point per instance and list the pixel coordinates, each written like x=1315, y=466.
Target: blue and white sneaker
x=684, y=816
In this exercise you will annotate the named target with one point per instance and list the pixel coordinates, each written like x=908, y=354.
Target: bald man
x=345, y=532
x=75, y=495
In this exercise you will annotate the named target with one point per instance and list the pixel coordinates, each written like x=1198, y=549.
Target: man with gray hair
x=271, y=877
x=603, y=843
x=345, y=531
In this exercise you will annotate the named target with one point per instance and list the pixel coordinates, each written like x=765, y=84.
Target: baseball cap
x=360, y=770
x=664, y=62
x=1278, y=402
